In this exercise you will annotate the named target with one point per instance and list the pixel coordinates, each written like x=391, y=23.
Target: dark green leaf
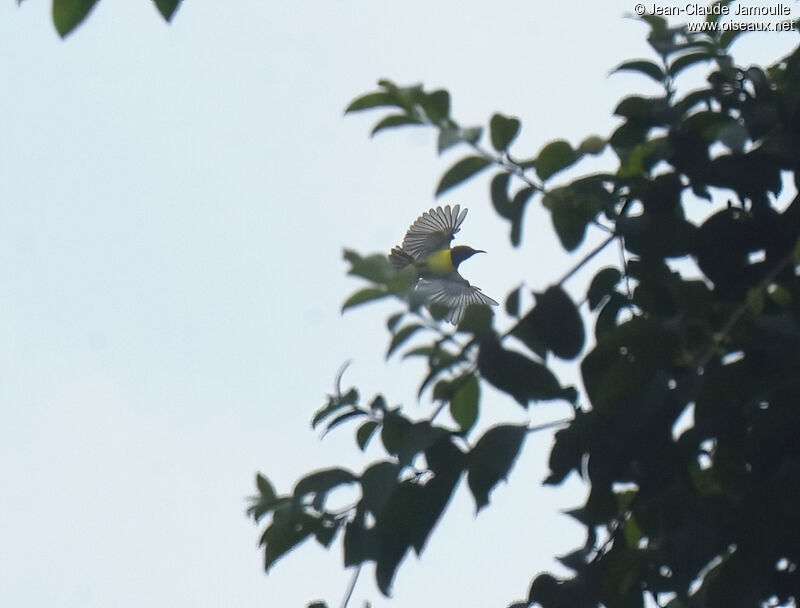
x=334, y=404
x=265, y=488
x=573, y=206
x=401, y=336
x=394, y=432
x=464, y=403
x=477, y=319
x=362, y=296
x=395, y=120
x=446, y=462
x=393, y=532
x=491, y=460
x=265, y=502
x=642, y=110
x=462, y=170
x=626, y=359
x=393, y=321
x=436, y=105
x=375, y=268
x=512, y=303
x=503, y=130
x=288, y=529
x=593, y=144
x=364, y=433
x=499, y=194
x=67, y=14
x=167, y=8
x=344, y=417
x=648, y=68
x=372, y=100
x=377, y=482
x=513, y=373
x=322, y=482
x=558, y=323
x=602, y=285
x=554, y=157
x=684, y=61
x=521, y=199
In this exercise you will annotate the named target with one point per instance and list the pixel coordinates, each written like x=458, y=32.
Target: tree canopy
x=699, y=514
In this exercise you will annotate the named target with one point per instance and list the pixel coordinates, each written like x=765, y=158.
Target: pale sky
x=174, y=200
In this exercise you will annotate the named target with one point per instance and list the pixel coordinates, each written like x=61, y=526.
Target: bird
x=426, y=246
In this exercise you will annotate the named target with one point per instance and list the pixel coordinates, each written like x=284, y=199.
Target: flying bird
x=426, y=246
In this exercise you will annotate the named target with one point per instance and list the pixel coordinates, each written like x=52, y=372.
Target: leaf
x=393, y=321
x=648, y=68
x=464, y=403
x=265, y=502
x=375, y=268
x=353, y=413
x=559, y=323
x=499, y=193
x=284, y=534
x=393, y=121
x=394, y=431
x=554, y=157
x=594, y=144
x=436, y=105
x=377, y=482
x=335, y=403
x=573, y=206
x=362, y=296
x=322, y=482
x=513, y=373
x=446, y=461
x=602, y=285
x=265, y=488
x=521, y=199
x=401, y=336
x=462, y=170
x=502, y=131
x=67, y=14
x=684, y=61
x=372, y=100
x=491, y=460
x=167, y=8
x=364, y=434
x=512, y=303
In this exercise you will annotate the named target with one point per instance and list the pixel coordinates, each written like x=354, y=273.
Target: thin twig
x=351, y=587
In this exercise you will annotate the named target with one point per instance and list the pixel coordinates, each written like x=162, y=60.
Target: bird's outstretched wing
x=433, y=230
x=456, y=293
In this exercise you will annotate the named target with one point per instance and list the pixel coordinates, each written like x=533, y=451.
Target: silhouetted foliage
x=702, y=514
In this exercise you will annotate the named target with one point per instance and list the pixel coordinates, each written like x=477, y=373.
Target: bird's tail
x=399, y=258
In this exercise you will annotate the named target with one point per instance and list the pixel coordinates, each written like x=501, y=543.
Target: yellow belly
x=438, y=262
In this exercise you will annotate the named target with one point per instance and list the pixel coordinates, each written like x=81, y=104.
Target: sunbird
x=426, y=246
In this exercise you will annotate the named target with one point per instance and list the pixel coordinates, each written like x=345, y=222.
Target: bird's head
x=460, y=253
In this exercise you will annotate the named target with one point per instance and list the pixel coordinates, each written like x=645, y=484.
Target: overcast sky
x=174, y=200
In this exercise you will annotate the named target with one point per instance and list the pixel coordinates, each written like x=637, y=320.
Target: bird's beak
x=479, y=251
